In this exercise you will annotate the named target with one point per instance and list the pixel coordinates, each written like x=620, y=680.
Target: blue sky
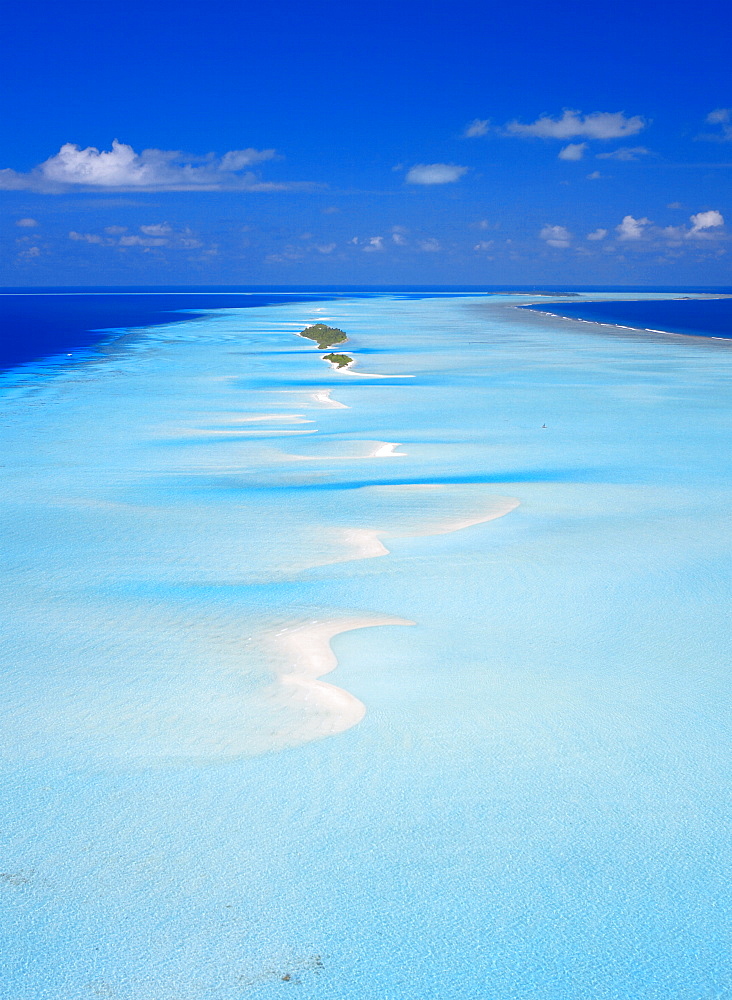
x=301, y=143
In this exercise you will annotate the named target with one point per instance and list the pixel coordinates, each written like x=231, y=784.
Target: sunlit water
x=535, y=803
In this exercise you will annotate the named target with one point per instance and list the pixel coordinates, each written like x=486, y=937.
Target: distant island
x=339, y=360
x=324, y=336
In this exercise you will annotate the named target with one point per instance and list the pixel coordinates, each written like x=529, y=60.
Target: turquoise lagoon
x=523, y=794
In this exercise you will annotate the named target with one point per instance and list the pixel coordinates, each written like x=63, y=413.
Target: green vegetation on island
x=339, y=360
x=324, y=336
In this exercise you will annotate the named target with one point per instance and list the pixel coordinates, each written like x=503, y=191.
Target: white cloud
x=574, y=151
x=122, y=169
x=723, y=118
x=143, y=241
x=435, y=173
x=375, y=244
x=478, y=126
x=160, y=234
x=598, y=234
x=556, y=236
x=632, y=229
x=625, y=153
x=158, y=229
x=26, y=223
x=398, y=236
x=88, y=238
x=237, y=159
x=704, y=221
x=30, y=253
x=594, y=176
x=598, y=125
x=430, y=246
x=484, y=245
x=325, y=247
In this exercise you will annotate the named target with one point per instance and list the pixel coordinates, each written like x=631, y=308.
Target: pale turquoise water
x=537, y=802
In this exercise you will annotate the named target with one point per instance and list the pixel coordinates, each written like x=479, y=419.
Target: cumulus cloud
x=484, y=245
x=435, y=173
x=122, y=169
x=26, y=223
x=398, y=237
x=702, y=222
x=597, y=125
x=142, y=241
x=429, y=246
x=594, y=176
x=325, y=247
x=556, y=236
x=625, y=153
x=375, y=244
x=598, y=234
x=574, y=151
x=157, y=229
x=88, y=237
x=632, y=229
x=160, y=234
x=478, y=126
x=723, y=118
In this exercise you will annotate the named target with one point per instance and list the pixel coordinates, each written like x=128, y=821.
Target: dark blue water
x=694, y=317
x=42, y=323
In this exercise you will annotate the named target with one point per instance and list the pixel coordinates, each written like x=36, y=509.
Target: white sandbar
x=387, y=449
x=255, y=418
x=380, y=449
x=348, y=371
x=501, y=507
x=366, y=543
x=309, y=656
x=323, y=397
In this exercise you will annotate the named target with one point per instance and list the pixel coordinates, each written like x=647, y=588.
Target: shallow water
x=536, y=801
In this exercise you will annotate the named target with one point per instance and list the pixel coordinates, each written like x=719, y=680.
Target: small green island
x=324, y=336
x=339, y=360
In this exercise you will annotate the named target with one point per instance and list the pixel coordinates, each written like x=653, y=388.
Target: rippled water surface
x=514, y=783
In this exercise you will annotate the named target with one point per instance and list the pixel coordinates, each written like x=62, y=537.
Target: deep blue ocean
x=694, y=317
x=41, y=323
x=48, y=322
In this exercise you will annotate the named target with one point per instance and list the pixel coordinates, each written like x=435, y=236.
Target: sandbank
x=321, y=397
x=349, y=371
x=244, y=431
x=324, y=399
x=366, y=543
x=255, y=418
x=501, y=507
x=306, y=648
x=379, y=449
x=387, y=449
